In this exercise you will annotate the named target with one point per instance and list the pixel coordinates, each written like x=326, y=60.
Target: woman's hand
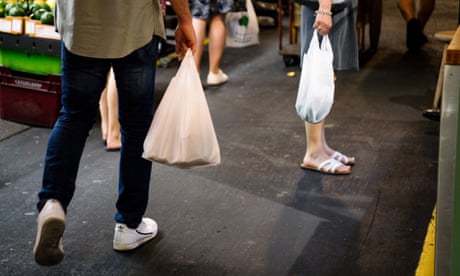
x=323, y=22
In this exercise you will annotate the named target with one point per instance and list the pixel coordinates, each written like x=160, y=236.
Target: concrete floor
x=258, y=213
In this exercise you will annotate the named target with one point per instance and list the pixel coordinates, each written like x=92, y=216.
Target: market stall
x=30, y=66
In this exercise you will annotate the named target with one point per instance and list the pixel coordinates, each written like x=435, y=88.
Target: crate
x=36, y=29
x=30, y=62
x=5, y=25
x=30, y=99
x=12, y=24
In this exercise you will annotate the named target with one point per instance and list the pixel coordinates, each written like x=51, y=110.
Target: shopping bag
x=315, y=95
x=242, y=27
x=182, y=133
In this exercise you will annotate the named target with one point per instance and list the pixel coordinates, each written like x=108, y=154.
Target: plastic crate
x=35, y=63
x=30, y=99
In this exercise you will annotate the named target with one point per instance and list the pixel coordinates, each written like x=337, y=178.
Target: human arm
x=323, y=21
x=185, y=34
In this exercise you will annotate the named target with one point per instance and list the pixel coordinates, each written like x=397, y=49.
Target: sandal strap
x=330, y=165
x=340, y=157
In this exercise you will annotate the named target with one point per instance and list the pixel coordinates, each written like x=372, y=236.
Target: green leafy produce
x=47, y=18
x=37, y=15
x=8, y=6
x=35, y=7
x=16, y=10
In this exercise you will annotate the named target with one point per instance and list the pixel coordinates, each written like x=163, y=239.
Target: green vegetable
x=47, y=18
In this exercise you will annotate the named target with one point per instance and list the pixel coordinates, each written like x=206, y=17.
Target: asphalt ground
x=258, y=213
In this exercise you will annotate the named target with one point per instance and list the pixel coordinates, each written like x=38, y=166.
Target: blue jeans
x=83, y=80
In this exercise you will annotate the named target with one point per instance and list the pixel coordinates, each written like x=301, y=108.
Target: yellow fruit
x=51, y=3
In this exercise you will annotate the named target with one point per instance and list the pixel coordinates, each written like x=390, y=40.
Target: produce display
x=38, y=10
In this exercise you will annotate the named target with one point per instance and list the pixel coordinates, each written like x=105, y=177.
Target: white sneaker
x=217, y=79
x=128, y=238
x=48, y=248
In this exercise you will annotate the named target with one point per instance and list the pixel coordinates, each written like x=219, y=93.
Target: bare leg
x=315, y=152
x=416, y=15
x=113, y=134
x=216, y=42
x=315, y=141
x=103, y=108
x=199, y=26
x=346, y=160
x=424, y=10
x=407, y=9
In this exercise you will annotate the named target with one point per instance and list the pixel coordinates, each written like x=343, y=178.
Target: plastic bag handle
x=325, y=42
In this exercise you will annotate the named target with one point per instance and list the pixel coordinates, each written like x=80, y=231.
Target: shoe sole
x=131, y=246
x=316, y=169
x=47, y=251
x=216, y=83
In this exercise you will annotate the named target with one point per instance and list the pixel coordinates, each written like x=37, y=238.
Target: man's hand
x=185, y=39
x=185, y=34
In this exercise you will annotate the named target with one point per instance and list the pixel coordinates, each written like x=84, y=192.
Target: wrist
x=323, y=12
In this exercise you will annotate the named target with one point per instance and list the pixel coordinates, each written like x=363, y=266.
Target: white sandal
x=343, y=158
x=329, y=166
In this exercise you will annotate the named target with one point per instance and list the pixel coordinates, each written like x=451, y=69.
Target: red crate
x=29, y=99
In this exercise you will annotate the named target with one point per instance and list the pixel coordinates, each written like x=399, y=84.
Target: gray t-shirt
x=108, y=28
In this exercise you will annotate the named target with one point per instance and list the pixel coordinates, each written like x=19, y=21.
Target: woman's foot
x=342, y=158
x=324, y=163
x=113, y=145
x=329, y=166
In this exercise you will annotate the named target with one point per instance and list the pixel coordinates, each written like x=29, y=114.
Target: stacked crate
x=30, y=72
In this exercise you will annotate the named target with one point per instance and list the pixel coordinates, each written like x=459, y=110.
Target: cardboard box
x=12, y=24
x=36, y=29
x=5, y=25
x=29, y=99
x=17, y=24
x=46, y=31
x=29, y=26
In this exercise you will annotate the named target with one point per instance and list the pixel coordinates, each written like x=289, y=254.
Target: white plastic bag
x=242, y=27
x=316, y=88
x=182, y=133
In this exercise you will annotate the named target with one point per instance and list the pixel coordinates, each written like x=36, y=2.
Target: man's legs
x=135, y=78
x=83, y=80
